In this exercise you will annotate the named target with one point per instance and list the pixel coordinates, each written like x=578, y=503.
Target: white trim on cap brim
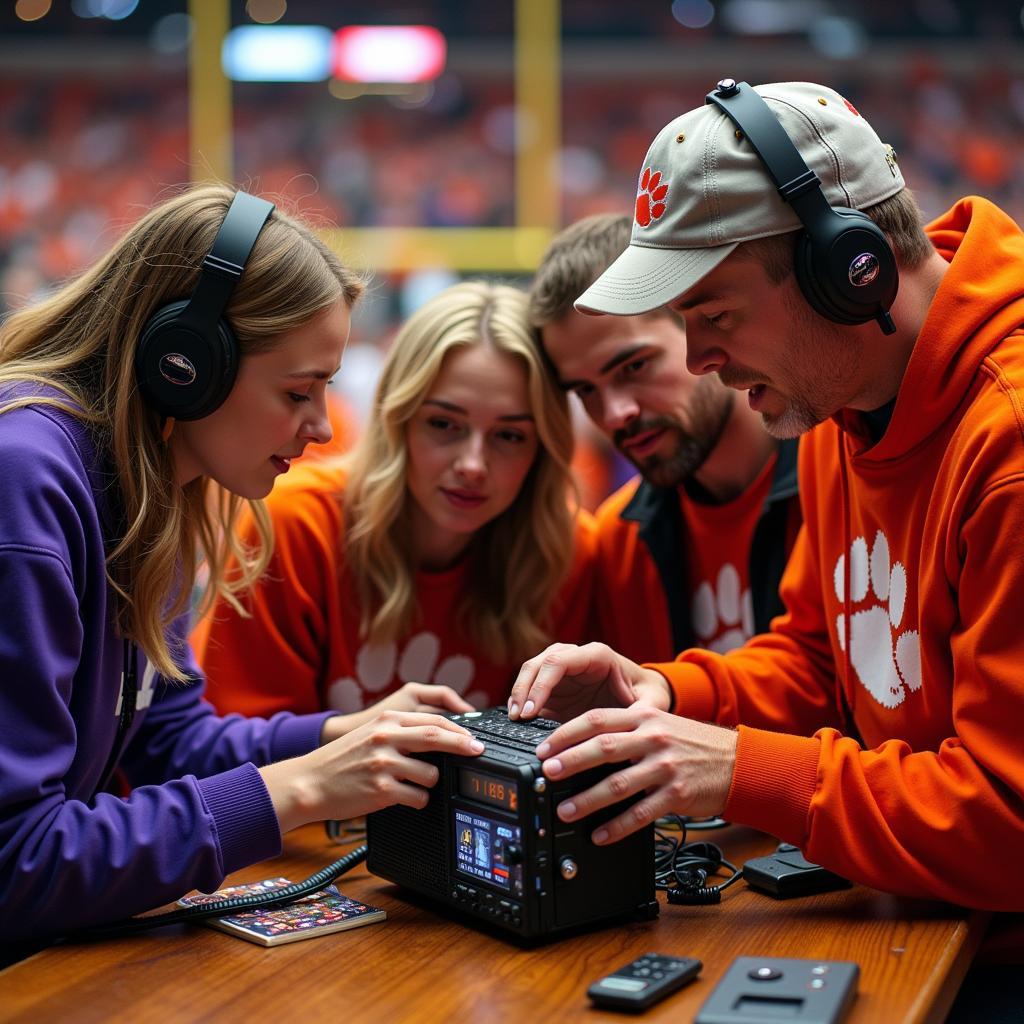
x=644, y=278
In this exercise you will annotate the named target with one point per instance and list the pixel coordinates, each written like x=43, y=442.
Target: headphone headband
x=796, y=182
x=222, y=266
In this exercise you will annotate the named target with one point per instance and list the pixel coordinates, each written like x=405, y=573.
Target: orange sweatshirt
x=301, y=650
x=674, y=572
x=904, y=595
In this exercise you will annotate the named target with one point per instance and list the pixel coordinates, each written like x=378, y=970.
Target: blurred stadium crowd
x=85, y=149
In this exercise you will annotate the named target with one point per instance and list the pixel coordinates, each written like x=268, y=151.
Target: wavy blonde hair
x=519, y=559
x=82, y=340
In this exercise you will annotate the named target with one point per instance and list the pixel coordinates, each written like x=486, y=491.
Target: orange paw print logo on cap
x=650, y=197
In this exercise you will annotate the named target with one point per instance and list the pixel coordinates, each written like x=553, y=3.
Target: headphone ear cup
x=148, y=355
x=851, y=270
x=227, y=366
x=807, y=276
x=181, y=372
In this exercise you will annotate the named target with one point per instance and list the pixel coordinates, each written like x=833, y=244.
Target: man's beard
x=812, y=399
x=797, y=418
x=709, y=413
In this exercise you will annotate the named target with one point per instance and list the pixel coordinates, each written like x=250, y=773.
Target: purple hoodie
x=198, y=810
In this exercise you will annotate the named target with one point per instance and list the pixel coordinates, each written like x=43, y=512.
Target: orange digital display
x=488, y=789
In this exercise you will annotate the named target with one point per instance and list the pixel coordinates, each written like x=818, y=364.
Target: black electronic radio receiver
x=490, y=845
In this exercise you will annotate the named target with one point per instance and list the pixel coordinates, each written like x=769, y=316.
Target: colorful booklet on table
x=319, y=913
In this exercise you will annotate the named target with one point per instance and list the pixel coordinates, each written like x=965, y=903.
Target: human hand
x=412, y=697
x=366, y=769
x=683, y=766
x=565, y=680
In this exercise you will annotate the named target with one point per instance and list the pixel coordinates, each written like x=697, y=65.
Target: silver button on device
x=569, y=868
x=765, y=973
x=539, y=785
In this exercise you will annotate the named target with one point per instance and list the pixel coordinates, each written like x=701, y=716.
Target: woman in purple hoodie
x=139, y=405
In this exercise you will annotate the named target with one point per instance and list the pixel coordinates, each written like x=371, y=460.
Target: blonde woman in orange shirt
x=442, y=550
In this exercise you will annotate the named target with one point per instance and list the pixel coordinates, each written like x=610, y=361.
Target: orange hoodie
x=904, y=597
x=302, y=650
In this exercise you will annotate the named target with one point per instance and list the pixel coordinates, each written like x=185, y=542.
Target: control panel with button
x=760, y=989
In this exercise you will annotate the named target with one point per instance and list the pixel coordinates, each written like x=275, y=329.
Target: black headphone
x=187, y=357
x=844, y=264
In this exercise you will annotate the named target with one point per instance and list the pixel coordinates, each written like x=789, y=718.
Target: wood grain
x=420, y=966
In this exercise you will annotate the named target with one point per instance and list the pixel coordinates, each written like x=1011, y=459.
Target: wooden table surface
x=420, y=966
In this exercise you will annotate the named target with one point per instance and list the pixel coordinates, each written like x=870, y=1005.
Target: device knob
x=513, y=854
x=569, y=868
x=539, y=785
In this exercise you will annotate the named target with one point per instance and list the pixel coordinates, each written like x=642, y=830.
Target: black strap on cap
x=797, y=183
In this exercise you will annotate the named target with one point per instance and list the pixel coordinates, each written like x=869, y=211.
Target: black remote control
x=787, y=873
x=643, y=982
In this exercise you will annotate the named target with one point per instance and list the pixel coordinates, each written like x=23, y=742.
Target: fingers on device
x=758, y=990
x=787, y=873
x=490, y=847
x=643, y=982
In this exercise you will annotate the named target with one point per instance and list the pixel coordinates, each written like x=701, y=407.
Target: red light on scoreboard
x=388, y=53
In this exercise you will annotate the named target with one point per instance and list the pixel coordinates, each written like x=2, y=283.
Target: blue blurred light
x=113, y=10
x=421, y=286
x=841, y=38
x=693, y=13
x=172, y=33
x=770, y=17
x=117, y=10
x=277, y=53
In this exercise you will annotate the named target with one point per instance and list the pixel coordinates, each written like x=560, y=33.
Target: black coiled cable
x=276, y=898
x=682, y=869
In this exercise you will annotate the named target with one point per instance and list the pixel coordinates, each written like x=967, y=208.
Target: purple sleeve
x=66, y=863
x=182, y=733
x=200, y=809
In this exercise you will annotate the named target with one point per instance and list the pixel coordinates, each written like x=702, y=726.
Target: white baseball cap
x=703, y=190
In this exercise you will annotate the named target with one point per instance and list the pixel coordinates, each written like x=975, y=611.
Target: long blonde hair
x=81, y=341
x=518, y=559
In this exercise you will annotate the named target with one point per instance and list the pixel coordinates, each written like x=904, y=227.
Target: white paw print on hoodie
x=377, y=666
x=722, y=616
x=887, y=664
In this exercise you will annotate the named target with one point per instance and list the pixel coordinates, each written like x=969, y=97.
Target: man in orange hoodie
x=877, y=725
x=691, y=552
